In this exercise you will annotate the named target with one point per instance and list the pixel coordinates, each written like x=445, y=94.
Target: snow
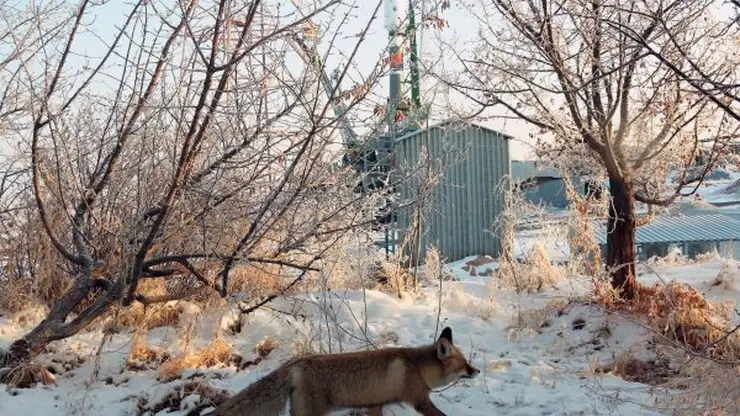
x=554, y=242
x=719, y=191
x=532, y=362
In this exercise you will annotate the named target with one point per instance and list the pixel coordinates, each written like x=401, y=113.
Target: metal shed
x=692, y=235
x=473, y=161
x=544, y=184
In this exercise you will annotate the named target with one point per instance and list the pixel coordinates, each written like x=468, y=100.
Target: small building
x=692, y=235
x=544, y=185
x=474, y=164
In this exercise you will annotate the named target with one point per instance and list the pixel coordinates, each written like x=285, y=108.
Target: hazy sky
x=350, y=19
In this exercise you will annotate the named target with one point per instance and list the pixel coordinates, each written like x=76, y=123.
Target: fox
x=317, y=385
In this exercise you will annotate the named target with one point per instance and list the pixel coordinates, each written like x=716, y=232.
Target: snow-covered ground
x=552, y=240
x=537, y=352
x=540, y=366
x=719, y=191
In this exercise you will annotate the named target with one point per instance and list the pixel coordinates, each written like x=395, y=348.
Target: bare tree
x=198, y=141
x=568, y=68
x=706, y=60
x=23, y=32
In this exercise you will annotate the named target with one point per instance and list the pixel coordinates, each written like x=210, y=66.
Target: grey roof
x=458, y=124
x=665, y=229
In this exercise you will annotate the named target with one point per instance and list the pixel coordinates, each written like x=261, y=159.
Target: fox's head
x=454, y=363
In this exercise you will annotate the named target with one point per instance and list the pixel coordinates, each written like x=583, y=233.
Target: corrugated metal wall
x=466, y=203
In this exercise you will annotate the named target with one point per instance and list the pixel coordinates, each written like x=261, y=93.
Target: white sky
x=434, y=45
x=461, y=32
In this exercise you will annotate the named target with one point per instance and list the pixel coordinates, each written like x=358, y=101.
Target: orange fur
x=319, y=384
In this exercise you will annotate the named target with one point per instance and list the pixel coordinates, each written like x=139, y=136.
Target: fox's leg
x=307, y=411
x=427, y=408
x=375, y=411
x=304, y=405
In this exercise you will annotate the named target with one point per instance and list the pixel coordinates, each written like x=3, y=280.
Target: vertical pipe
x=393, y=19
x=414, y=58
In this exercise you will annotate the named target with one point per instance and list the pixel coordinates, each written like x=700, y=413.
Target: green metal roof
x=693, y=228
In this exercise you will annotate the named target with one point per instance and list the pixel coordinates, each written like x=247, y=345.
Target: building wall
x=466, y=203
x=653, y=250
x=729, y=249
x=549, y=189
x=553, y=192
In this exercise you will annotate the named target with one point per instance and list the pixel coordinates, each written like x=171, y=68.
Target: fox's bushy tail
x=265, y=397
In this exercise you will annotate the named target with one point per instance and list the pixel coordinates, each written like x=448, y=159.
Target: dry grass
x=303, y=346
x=172, y=401
x=705, y=388
x=683, y=316
x=151, y=317
x=262, y=349
x=33, y=269
x=266, y=346
x=392, y=274
x=728, y=276
x=532, y=275
x=30, y=316
x=143, y=357
x=654, y=372
x=533, y=320
x=584, y=250
x=697, y=340
x=673, y=258
x=256, y=280
x=26, y=375
x=17, y=295
x=217, y=353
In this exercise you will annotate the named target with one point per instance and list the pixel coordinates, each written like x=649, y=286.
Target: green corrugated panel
x=465, y=202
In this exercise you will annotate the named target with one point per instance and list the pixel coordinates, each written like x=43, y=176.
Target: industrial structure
x=543, y=184
x=472, y=164
x=459, y=214
x=691, y=235
x=465, y=204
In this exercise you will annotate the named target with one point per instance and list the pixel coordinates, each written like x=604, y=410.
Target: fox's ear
x=446, y=334
x=444, y=348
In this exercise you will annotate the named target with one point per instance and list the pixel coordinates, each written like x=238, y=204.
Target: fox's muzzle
x=470, y=371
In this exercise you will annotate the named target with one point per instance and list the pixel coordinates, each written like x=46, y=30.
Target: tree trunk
x=56, y=326
x=621, y=236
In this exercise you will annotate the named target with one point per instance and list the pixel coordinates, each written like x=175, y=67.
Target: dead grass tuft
x=26, y=375
x=256, y=280
x=217, y=353
x=533, y=320
x=262, y=349
x=682, y=315
x=17, y=295
x=156, y=316
x=172, y=401
x=143, y=357
x=266, y=346
x=698, y=338
x=654, y=372
x=30, y=316
x=532, y=275
x=673, y=258
x=706, y=388
x=34, y=272
x=303, y=346
x=728, y=276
